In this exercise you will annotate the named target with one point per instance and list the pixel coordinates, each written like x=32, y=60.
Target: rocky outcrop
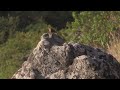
x=55, y=59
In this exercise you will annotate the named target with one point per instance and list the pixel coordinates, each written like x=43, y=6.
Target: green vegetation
x=20, y=32
x=92, y=27
x=17, y=46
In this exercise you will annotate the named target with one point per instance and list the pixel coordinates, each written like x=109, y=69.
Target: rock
x=54, y=59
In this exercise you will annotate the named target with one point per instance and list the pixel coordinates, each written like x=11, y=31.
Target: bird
x=51, y=30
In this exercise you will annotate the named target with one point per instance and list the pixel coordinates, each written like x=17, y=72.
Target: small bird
x=51, y=30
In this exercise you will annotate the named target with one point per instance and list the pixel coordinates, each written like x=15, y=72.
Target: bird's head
x=51, y=30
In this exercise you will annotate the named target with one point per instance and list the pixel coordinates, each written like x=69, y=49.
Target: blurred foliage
x=20, y=32
x=57, y=19
x=15, y=50
x=8, y=26
x=92, y=27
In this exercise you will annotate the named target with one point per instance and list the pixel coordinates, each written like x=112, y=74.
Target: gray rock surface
x=55, y=59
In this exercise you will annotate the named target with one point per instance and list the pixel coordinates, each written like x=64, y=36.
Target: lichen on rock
x=54, y=59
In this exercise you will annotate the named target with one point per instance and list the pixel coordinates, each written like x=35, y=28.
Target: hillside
x=20, y=31
x=54, y=59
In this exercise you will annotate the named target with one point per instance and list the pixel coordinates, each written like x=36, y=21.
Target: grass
x=8, y=68
x=114, y=46
x=97, y=29
x=114, y=50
